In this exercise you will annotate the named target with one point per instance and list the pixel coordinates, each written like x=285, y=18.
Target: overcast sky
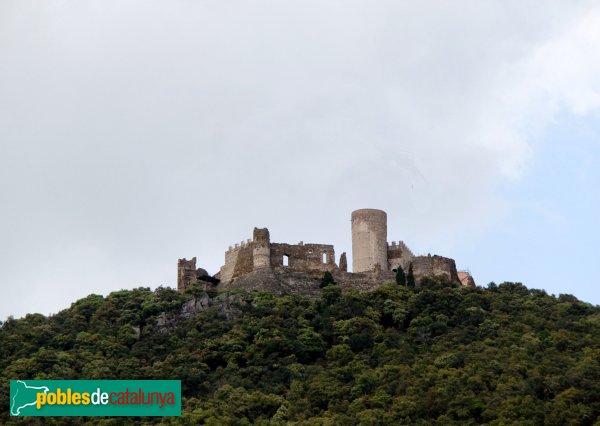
x=134, y=133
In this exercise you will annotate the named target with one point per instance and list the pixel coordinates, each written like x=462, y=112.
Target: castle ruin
x=259, y=264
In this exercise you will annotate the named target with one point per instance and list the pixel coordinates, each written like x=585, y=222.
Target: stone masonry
x=259, y=264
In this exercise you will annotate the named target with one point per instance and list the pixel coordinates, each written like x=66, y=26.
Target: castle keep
x=259, y=264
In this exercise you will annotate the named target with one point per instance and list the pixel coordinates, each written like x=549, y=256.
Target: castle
x=259, y=264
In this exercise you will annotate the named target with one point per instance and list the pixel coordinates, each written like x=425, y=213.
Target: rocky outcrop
x=224, y=305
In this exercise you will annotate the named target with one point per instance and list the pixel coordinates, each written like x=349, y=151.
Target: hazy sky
x=133, y=133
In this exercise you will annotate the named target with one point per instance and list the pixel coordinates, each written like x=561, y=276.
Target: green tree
x=326, y=280
x=400, y=276
x=410, y=278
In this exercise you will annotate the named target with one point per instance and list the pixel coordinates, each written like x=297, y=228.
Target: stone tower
x=369, y=240
x=261, y=253
x=186, y=273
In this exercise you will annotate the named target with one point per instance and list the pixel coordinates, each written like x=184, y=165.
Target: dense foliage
x=434, y=355
x=400, y=276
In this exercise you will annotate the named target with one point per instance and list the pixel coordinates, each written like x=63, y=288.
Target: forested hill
x=435, y=355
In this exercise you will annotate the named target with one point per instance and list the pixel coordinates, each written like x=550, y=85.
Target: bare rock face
x=227, y=306
x=197, y=304
x=466, y=279
x=283, y=281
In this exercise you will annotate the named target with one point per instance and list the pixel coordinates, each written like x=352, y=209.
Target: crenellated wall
x=239, y=260
x=399, y=254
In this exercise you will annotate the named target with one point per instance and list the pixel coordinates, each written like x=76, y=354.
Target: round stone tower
x=369, y=240
x=262, y=248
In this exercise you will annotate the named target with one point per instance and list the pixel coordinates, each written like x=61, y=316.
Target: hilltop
x=438, y=354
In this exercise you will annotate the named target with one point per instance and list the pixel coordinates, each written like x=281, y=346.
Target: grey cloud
x=133, y=133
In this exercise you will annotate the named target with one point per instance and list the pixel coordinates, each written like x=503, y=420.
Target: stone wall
x=343, y=263
x=259, y=253
x=239, y=260
x=286, y=281
x=398, y=254
x=187, y=274
x=303, y=257
x=428, y=266
x=283, y=266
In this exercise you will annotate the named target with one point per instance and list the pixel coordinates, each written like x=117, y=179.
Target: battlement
x=398, y=254
x=239, y=245
x=400, y=245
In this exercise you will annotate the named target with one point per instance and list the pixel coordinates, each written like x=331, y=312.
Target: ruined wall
x=399, y=254
x=259, y=253
x=427, y=266
x=186, y=273
x=369, y=240
x=239, y=260
x=251, y=261
x=303, y=257
x=343, y=263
